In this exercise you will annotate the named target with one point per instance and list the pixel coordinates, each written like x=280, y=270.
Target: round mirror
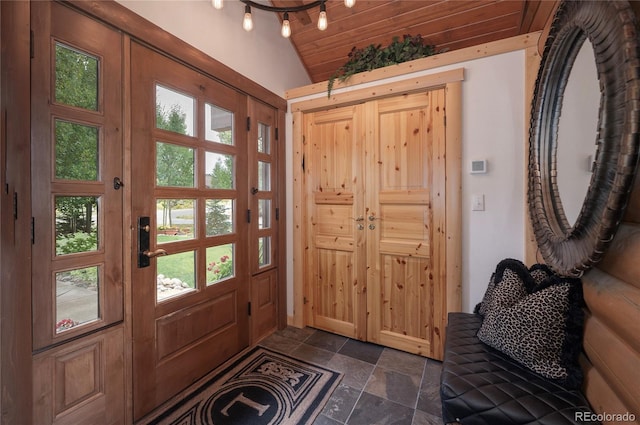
x=578, y=131
x=570, y=246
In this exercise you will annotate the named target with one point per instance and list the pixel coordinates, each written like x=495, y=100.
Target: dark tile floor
x=380, y=386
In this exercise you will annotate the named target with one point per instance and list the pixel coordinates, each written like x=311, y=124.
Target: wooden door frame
x=452, y=82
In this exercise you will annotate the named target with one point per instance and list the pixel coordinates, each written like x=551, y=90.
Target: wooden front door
x=190, y=271
x=376, y=201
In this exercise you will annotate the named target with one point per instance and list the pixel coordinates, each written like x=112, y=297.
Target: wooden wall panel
x=613, y=301
x=599, y=393
x=612, y=330
x=615, y=360
x=617, y=261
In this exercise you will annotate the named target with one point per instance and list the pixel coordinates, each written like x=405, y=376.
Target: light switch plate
x=477, y=202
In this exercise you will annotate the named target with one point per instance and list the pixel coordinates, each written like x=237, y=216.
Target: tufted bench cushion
x=483, y=386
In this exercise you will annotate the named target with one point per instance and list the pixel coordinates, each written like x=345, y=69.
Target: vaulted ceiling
x=449, y=25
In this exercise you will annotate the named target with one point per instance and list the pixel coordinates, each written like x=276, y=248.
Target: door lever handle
x=155, y=253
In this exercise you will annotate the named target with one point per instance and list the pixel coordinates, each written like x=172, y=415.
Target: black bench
x=483, y=386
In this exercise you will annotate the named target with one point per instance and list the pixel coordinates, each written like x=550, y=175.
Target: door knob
x=372, y=226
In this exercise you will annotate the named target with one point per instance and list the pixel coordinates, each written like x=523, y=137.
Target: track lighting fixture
x=247, y=22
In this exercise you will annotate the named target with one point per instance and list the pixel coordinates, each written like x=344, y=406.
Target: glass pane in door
x=175, y=111
x=218, y=124
x=264, y=251
x=77, y=297
x=176, y=219
x=264, y=142
x=176, y=275
x=174, y=165
x=76, y=151
x=219, y=171
x=76, y=224
x=264, y=176
x=264, y=213
x=219, y=216
x=220, y=263
x=76, y=78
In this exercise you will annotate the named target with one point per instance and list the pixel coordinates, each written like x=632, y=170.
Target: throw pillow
x=510, y=282
x=542, y=330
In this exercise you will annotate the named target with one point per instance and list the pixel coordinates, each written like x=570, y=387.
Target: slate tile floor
x=380, y=386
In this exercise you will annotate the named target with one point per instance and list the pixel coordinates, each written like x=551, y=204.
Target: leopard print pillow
x=542, y=330
x=510, y=282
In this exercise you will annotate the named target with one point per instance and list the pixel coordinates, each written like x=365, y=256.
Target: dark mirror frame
x=612, y=29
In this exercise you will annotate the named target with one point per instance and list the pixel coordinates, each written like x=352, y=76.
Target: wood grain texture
x=598, y=391
x=613, y=302
x=15, y=249
x=451, y=26
x=334, y=187
x=82, y=381
x=615, y=360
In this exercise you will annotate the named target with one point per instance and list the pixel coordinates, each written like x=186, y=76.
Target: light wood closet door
x=376, y=200
x=335, y=189
x=405, y=200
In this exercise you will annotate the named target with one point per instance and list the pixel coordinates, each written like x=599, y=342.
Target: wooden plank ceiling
x=449, y=25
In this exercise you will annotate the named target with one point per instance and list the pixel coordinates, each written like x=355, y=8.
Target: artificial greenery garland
x=375, y=56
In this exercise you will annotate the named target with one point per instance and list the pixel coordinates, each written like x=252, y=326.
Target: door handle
x=144, y=242
x=155, y=253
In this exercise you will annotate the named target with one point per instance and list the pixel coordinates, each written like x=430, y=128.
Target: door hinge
x=249, y=308
x=15, y=205
x=248, y=216
x=277, y=213
x=31, y=46
x=276, y=133
x=248, y=123
x=33, y=231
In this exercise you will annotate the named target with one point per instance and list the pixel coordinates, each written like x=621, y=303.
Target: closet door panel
x=406, y=229
x=335, y=187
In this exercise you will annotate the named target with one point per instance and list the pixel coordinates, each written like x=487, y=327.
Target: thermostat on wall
x=479, y=166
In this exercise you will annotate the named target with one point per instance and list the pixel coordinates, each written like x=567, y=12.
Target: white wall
x=262, y=55
x=492, y=129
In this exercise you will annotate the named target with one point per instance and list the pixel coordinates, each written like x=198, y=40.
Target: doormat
x=260, y=388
